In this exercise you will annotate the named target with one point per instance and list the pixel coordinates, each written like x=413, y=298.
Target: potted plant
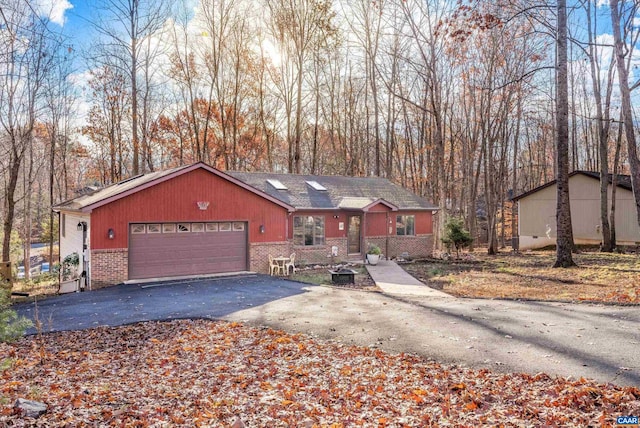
x=69, y=269
x=373, y=254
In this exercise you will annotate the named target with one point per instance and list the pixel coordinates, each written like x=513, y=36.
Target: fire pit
x=343, y=276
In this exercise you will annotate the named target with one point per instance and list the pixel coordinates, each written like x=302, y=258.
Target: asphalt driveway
x=579, y=340
x=213, y=298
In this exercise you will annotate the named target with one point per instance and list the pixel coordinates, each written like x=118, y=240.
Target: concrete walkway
x=394, y=280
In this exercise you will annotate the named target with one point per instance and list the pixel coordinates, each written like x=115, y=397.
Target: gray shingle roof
x=341, y=191
x=114, y=189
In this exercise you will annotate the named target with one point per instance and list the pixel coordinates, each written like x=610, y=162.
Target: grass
x=599, y=277
x=40, y=286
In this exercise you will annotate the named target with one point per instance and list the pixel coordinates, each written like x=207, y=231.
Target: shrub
x=11, y=325
x=70, y=266
x=374, y=250
x=456, y=235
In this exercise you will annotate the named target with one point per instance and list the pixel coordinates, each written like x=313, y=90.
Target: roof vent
x=317, y=186
x=277, y=184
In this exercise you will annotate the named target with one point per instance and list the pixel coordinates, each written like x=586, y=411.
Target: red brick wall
x=321, y=254
x=109, y=267
x=417, y=246
x=259, y=253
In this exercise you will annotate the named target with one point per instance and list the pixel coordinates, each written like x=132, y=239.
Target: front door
x=353, y=234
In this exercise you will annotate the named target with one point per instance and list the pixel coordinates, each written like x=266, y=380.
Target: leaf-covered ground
x=206, y=373
x=599, y=277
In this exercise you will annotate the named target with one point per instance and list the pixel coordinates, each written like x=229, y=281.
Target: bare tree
x=299, y=26
x=564, y=236
x=26, y=57
x=124, y=27
x=625, y=93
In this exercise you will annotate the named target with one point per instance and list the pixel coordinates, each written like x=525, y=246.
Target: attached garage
x=185, y=248
x=190, y=220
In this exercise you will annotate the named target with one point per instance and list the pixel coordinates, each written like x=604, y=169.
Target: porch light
x=111, y=233
x=82, y=226
x=262, y=228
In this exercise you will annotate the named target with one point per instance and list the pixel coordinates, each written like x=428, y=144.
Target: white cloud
x=54, y=10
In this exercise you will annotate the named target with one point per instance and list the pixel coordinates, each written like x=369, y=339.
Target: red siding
x=424, y=222
x=379, y=207
x=175, y=200
x=331, y=224
x=376, y=223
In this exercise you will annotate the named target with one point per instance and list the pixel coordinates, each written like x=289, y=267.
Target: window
x=238, y=226
x=308, y=230
x=169, y=228
x=224, y=227
x=405, y=225
x=137, y=228
x=316, y=186
x=153, y=228
x=212, y=227
x=277, y=184
x=197, y=227
x=63, y=224
x=184, y=227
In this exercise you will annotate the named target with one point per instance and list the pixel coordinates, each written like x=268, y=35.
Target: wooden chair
x=273, y=266
x=291, y=264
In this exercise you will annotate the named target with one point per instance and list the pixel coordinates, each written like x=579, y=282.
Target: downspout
x=386, y=231
x=363, y=234
x=83, y=275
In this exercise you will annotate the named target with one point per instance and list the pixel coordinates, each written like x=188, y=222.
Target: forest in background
x=455, y=100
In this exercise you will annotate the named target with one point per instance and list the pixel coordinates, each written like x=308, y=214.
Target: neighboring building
x=195, y=220
x=537, y=212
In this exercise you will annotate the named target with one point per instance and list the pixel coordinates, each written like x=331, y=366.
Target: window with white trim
x=405, y=225
x=137, y=229
x=308, y=230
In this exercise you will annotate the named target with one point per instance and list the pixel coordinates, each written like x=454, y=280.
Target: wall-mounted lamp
x=336, y=216
x=262, y=228
x=82, y=226
x=111, y=233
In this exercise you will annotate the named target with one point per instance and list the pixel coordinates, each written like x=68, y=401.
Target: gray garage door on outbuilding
x=173, y=249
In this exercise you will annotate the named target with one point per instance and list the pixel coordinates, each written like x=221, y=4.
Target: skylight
x=317, y=186
x=277, y=184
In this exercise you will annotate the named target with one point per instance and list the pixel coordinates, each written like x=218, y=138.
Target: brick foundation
x=416, y=246
x=109, y=267
x=321, y=254
x=259, y=254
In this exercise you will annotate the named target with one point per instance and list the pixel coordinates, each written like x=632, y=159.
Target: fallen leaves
x=600, y=277
x=206, y=373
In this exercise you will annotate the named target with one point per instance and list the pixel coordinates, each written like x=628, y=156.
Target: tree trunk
x=564, y=237
x=627, y=110
x=603, y=137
